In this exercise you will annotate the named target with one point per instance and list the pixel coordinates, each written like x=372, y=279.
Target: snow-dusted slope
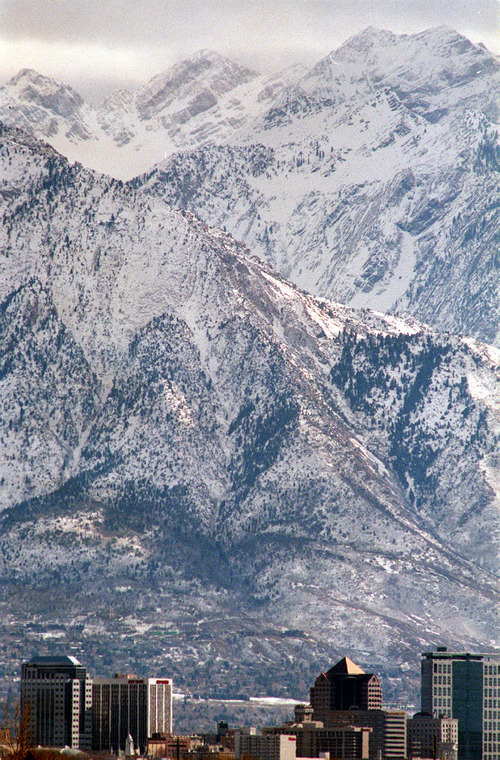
x=204, y=97
x=191, y=445
x=371, y=179
x=374, y=181
x=433, y=72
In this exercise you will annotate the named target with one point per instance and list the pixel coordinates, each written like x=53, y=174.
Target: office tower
x=466, y=687
x=345, y=687
x=56, y=695
x=126, y=705
x=394, y=734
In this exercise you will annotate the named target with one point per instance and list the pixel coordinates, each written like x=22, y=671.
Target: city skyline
x=66, y=707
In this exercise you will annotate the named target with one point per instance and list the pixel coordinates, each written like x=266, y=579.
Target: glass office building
x=126, y=705
x=465, y=686
x=56, y=697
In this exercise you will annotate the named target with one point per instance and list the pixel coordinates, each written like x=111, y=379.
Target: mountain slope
x=204, y=97
x=371, y=179
x=374, y=181
x=225, y=472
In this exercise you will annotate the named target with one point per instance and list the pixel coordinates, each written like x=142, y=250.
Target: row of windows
x=490, y=736
x=55, y=678
x=443, y=704
x=442, y=691
x=491, y=725
x=491, y=715
x=443, y=679
x=442, y=667
x=33, y=692
x=490, y=681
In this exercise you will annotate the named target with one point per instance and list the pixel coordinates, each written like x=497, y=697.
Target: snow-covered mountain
x=433, y=72
x=373, y=181
x=207, y=96
x=207, y=472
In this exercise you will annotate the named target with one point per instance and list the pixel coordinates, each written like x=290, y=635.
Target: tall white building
x=467, y=687
x=56, y=696
x=126, y=705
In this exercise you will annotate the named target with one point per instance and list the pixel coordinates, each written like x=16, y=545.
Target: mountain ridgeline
x=371, y=179
x=210, y=473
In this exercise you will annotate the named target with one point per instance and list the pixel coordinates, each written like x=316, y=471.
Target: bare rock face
x=42, y=91
x=206, y=471
x=41, y=105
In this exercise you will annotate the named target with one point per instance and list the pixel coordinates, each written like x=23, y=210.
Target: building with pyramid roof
x=345, y=687
x=345, y=696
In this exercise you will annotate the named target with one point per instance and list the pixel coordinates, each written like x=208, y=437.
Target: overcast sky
x=97, y=45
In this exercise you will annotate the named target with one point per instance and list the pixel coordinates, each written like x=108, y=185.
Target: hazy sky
x=97, y=45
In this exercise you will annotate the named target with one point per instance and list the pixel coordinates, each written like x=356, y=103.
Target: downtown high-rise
x=465, y=686
x=125, y=704
x=56, y=698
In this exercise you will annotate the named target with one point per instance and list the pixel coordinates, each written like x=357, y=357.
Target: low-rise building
x=431, y=737
x=388, y=734
x=269, y=746
x=170, y=746
x=313, y=740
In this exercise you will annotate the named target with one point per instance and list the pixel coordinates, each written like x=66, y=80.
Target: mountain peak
x=434, y=37
x=34, y=88
x=26, y=74
x=197, y=80
x=121, y=98
x=369, y=37
x=372, y=32
x=210, y=56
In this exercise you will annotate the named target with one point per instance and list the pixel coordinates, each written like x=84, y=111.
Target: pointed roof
x=346, y=667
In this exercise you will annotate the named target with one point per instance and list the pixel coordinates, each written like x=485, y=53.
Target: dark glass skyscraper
x=467, y=687
x=126, y=705
x=56, y=696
